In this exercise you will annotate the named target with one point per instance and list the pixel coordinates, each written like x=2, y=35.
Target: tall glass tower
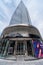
x=21, y=15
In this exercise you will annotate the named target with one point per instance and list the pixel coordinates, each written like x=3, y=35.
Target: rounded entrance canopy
x=21, y=31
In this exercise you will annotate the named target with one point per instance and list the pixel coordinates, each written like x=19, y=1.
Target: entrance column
x=25, y=43
x=15, y=48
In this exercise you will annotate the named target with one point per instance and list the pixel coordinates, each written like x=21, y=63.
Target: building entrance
x=20, y=48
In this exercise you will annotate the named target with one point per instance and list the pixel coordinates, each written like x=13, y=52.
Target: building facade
x=21, y=38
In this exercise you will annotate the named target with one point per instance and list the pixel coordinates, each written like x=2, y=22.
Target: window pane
x=11, y=48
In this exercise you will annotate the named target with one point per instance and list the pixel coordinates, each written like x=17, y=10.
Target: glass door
x=20, y=49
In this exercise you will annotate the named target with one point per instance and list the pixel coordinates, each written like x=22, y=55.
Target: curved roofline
x=19, y=25
x=22, y=26
x=16, y=25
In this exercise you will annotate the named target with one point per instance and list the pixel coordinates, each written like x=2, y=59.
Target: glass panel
x=11, y=48
x=3, y=44
x=29, y=47
x=0, y=47
x=20, y=48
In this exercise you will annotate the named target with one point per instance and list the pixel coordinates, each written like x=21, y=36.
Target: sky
x=34, y=7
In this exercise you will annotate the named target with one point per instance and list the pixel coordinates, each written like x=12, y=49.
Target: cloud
x=40, y=28
x=4, y=8
x=1, y=26
x=7, y=1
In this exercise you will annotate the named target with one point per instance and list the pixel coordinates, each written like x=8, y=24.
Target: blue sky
x=35, y=9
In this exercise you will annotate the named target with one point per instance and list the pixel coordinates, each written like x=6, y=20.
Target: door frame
x=17, y=42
